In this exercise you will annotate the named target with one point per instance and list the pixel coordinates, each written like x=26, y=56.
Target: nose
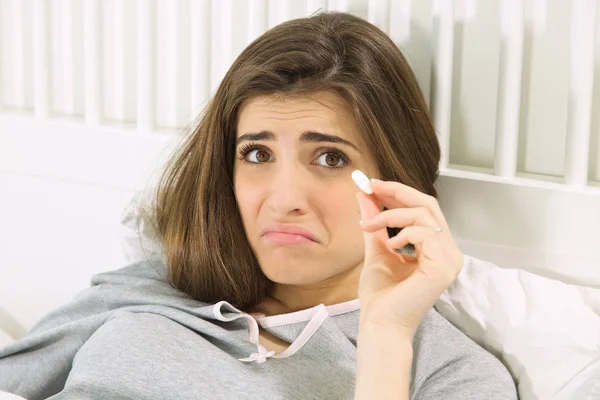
x=288, y=191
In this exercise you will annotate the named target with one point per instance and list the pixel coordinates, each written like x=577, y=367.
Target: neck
x=334, y=290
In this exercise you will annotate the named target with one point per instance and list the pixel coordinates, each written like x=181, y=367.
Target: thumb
x=374, y=241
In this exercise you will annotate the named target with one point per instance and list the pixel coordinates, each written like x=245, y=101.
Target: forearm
x=383, y=363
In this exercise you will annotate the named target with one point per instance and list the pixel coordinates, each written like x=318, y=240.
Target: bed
x=94, y=96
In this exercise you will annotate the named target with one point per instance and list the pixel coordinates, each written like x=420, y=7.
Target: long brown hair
x=195, y=211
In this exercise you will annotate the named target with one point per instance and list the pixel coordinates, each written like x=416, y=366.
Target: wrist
x=373, y=328
x=377, y=337
x=384, y=361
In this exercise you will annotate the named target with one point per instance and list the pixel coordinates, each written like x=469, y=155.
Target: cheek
x=346, y=236
x=247, y=196
x=343, y=214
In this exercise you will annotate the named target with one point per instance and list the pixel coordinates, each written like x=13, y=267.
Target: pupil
x=332, y=159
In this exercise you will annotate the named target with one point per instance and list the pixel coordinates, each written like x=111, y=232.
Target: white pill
x=362, y=181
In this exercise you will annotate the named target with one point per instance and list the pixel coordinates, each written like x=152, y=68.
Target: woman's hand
x=397, y=290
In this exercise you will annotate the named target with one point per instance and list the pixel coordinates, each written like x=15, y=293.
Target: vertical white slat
x=172, y=63
x=18, y=34
x=257, y=19
x=129, y=60
x=3, y=57
x=379, y=13
x=222, y=43
x=509, y=87
x=108, y=39
x=313, y=6
x=91, y=62
x=78, y=44
x=465, y=10
x=145, y=66
x=114, y=65
x=118, y=64
x=583, y=35
x=67, y=54
x=441, y=81
x=200, y=54
x=337, y=5
x=400, y=17
x=535, y=15
x=41, y=99
x=163, y=79
x=3, y=51
x=183, y=65
x=279, y=11
x=56, y=60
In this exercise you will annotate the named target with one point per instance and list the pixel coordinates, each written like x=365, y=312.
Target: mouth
x=289, y=234
x=287, y=238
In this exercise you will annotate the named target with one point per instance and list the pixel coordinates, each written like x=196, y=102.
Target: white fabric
x=5, y=338
x=10, y=329
x=10, y=396
x=545, y=331
x=316, y=316
x=139, y=236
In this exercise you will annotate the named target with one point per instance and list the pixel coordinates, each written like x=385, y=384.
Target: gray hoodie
x=133, y=336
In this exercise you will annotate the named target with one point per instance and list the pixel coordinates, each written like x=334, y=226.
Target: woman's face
x=292, y=179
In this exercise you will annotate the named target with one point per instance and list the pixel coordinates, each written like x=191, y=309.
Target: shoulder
x=120, y=359
x=448, y=363
x=130, y=338
x=143, y=271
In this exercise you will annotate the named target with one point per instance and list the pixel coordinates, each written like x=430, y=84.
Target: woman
x=273, y=287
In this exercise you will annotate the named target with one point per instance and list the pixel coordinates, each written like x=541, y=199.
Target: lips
x=290, y=230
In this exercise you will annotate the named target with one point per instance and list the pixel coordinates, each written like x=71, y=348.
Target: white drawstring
x=260, y=357
x=320, y=314
x=262, y=354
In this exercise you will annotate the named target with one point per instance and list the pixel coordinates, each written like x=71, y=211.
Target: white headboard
x=93, y=96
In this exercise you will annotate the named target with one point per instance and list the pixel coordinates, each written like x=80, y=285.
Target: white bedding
x=545, y=331
x=9, y=396
x=10, y=329
x=5, y=338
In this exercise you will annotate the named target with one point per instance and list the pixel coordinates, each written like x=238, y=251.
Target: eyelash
x=247, y=148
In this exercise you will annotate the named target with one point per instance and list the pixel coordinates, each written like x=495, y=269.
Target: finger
x=395, y=195
x=433, y=251
x=374, y=241
x=416, y=235
x=400, y=218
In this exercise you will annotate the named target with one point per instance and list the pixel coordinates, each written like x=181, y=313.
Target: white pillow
x=140, y=240
x=5, y=338
x=10, y=329
x=10, y=396
x=545, y=331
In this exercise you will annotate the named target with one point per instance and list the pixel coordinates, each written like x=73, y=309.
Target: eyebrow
x=308, y=136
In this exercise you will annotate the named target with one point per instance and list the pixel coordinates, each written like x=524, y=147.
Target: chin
x=292, y=271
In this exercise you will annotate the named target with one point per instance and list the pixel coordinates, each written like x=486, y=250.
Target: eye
x=333, y=159
x=254, y=154
x=258, y=156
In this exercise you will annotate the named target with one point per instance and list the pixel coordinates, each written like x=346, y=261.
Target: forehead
x=324, y=112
